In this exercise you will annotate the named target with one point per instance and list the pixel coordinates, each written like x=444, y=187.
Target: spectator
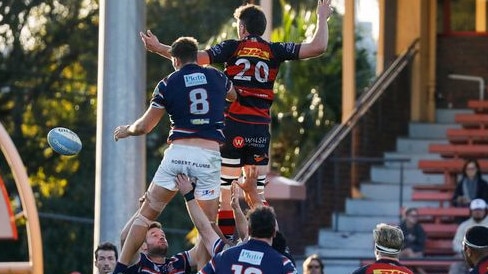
x=413, y=233
x=313, y=265
x=478, y=213
x=471, y=186
x=106, y=257
x=388, y=242
x=475, y=246
x=414, y=236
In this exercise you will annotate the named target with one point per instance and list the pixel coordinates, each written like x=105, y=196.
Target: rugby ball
x=64, y=141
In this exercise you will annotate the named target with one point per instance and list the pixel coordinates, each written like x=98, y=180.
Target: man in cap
x=475, y=249
x=478, y=212
x=388, y=242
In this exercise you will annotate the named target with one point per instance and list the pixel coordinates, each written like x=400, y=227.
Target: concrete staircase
x=350, y=237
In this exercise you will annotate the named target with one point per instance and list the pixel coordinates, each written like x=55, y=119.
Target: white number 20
x=260, y=66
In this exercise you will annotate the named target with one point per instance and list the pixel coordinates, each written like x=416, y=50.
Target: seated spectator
x=471, y=186
x=414, y=234
x=478, y=217
x=313, y=265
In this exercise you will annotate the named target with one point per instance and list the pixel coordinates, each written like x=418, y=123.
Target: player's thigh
x=257, y=146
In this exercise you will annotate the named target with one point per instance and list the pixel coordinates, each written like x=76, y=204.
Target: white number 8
x=199, y=103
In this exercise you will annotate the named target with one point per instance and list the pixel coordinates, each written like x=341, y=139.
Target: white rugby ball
x=64, y=141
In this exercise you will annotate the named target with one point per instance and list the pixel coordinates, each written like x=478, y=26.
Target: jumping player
x=252, y=64
x=194, y=98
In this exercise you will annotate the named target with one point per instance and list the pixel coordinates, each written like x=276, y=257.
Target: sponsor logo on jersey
x=388, y=271
x=238, y=142
x=195, y=79
x=200, y=121
x=253, y=52
x=251, y=257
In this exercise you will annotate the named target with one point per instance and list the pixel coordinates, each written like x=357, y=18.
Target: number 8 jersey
x=194, y=98
x=252, y=64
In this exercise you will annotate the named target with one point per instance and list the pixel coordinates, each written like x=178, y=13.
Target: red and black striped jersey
x=252, y=65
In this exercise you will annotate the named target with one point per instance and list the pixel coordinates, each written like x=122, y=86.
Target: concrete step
x=332, y=239
x=390, y=207
x=383, y=191
x=418, y=145
x=362, y=223
x=383, y=174
x=429, y=130
x=413, y=158
x=447, y=115
x=344, y=253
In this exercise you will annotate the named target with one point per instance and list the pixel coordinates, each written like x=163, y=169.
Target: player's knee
x=142, y=220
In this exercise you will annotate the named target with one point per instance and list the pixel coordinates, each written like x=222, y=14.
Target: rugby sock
x=226, y=222
x=120, y=268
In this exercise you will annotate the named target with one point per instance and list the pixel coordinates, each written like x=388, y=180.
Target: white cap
x=477, y=204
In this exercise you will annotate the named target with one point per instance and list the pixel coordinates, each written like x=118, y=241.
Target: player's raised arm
x=318, y=44
x=152, y=44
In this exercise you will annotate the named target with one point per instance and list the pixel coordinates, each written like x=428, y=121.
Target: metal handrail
x=363, y=104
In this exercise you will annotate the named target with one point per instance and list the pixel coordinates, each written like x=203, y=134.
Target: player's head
x=250, y=20
x=106, y=257
x=261, y=222
x=388, y=241
x=155, y=242
x=475, y=244
x=185, y=49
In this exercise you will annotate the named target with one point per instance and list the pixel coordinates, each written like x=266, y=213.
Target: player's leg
x=257, y=155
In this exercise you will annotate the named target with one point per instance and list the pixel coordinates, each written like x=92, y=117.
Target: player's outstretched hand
x=324, y=8
x=151, y=41
x=183, y=183
x=250, y=179
x=121, y=132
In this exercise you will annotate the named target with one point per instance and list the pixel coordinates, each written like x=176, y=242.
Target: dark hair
x=478, y=169
x=106, y=246
x=185, y=49
x=477, y=237
x=280, y=245
x=262, y=222
x=252, y=17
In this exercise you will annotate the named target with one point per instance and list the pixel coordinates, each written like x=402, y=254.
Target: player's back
x=384, y=266
x=194, y=98
x=252, y=257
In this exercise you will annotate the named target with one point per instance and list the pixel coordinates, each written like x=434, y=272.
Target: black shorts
x=245, y=144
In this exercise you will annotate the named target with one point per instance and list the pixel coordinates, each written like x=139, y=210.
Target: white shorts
x=194, y=162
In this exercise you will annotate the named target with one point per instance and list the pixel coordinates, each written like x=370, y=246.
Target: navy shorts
x=245, y=144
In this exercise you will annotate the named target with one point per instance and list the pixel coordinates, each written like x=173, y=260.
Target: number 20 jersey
x=252, y=65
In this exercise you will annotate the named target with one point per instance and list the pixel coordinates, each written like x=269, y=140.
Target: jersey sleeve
x=219, y=53
x=286, y=50
x=157, y=100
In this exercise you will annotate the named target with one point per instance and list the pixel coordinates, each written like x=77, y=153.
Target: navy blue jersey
x=251, y=257
x=252, y=64
x=194, y=98
x=178, y=264
x=384, y=266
